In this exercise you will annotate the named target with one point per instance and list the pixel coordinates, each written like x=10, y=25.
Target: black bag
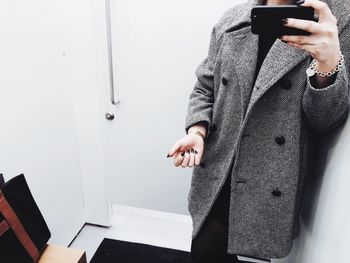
x=23, y=230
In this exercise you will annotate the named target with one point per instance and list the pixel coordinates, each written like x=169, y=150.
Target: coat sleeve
x=201, y=98
x=327, y=108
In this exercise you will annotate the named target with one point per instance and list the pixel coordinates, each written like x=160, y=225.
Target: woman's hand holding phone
x=323, y=41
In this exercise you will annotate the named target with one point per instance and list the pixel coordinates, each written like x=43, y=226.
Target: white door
x=156, y=48
x=38, y=134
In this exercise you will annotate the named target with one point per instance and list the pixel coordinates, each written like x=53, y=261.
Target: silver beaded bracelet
x=312, y=70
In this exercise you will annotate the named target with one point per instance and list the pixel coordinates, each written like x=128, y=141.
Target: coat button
x=280, y=140
x=276, y=192
x=224, y=81
x=286, y=84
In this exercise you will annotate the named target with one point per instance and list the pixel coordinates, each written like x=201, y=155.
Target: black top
x=265, y=44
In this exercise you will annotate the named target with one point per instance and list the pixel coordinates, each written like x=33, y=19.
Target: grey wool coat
x=263, y=130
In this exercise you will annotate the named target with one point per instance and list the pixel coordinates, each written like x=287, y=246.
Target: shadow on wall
x=320, y=152
x=320, y=144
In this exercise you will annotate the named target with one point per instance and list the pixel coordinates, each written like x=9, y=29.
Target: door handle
x=113, y=100
x=109, y=116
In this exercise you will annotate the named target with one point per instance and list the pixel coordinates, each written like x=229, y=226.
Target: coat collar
x=280, y=59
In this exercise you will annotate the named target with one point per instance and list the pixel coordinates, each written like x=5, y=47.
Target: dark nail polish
x=195, y=152
x=188, y=151
x=168, y=156
x=284, y=21
x=300, y=2
x=183, y=154
x=192, y=151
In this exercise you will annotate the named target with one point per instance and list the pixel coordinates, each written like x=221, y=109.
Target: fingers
x=189, y=158
x=197, y=158
x=320, y=7
x=177, y=147
x=309, y=48
x=306, y=25
x=186, y=159
x=301, y=40
x=178, y=158
x=192, y=157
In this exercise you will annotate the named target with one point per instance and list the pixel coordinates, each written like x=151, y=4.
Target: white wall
x=38, y=130
x=158, y=45
x=50, y=112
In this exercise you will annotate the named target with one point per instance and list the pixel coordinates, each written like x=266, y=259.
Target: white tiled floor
x=141, y=226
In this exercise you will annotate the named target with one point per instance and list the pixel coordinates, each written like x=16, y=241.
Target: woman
x=249, y=122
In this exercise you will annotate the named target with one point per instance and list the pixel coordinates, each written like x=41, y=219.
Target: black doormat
x=115, y=251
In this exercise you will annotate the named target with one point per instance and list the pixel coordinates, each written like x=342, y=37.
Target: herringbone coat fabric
x=264, y=127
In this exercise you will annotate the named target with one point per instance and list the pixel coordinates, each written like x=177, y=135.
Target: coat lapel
x=244, y=50
x=279, y=61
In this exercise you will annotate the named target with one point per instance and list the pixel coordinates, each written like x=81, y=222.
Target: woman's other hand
x=188, y=151
x=323, y=42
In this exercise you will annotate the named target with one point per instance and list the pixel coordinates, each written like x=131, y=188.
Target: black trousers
x=210, y=245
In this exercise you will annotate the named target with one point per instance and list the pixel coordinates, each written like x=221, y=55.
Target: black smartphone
x=268, y=19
